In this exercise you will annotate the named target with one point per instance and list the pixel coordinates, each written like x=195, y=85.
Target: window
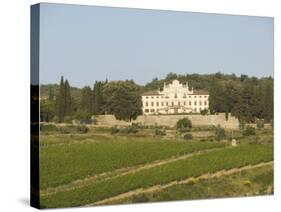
x=195, y=96
x=199, y=96
x=152, y=103
x=172, y=103
x=146, y=104
x=146, y=97
x=146, y=110
x=152, y=110
x=179, y=103
x=176, y=96
x=189, y=102
x=205, y=103
x=157, y=103
x=195, y=110
x=189, y=96
x=200, y=103
x=195, y=103
x=205, y=96
x=152, y=97
x=184, y=103
x=157, y=97
x=167, y=103
x=162, y=103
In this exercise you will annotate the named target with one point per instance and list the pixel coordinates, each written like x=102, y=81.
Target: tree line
x=247, y=98
x=121, y=98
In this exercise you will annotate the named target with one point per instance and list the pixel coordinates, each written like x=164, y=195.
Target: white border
x=14, y=105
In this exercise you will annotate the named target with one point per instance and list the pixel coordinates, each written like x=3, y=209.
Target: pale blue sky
x=88, y=43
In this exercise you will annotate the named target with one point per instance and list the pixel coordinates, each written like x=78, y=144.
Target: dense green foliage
x=184, y=123
x=247, y=98
x=219, y=133
x=187, y=136
x=260, y=123
x=160, y=132
x=82, y=129
x=204, y=112
x=196, y=165
x=249, y=131
x=121, y=98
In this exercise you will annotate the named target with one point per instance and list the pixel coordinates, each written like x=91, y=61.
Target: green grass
x=191, y=167
x=259, y=179
x=64, y=158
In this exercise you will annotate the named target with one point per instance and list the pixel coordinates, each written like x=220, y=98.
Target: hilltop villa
x=174, y=98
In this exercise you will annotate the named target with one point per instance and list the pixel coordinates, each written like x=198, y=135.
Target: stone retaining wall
x=171, y=120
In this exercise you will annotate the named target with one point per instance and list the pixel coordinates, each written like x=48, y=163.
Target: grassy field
x=69, y=164
x=258, y=181
x=61, y=164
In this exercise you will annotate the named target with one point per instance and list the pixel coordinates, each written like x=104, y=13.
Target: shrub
x=82, y=129
x=187, y=136
x=114, y=130
x=132, y=129
x=249, y=131
x=184, y=123
x=129, y=130
x=48, y=127
x=219, y=133
x=242, y=124
x=260, y=123
x=247, y=183
x=184, y=130
x=160, y=132
x=204, y=112
x=136, y=125
x=64, y=130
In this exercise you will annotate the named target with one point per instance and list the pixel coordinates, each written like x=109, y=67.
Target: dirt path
x=119, y=172
x=157, y=188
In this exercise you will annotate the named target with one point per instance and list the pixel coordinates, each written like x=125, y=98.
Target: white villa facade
x=174, y=98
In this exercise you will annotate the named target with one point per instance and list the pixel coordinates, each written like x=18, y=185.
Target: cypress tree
x=61, y=101
x=67, y=99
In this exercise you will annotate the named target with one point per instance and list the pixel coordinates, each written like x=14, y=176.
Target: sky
x=89, y=43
